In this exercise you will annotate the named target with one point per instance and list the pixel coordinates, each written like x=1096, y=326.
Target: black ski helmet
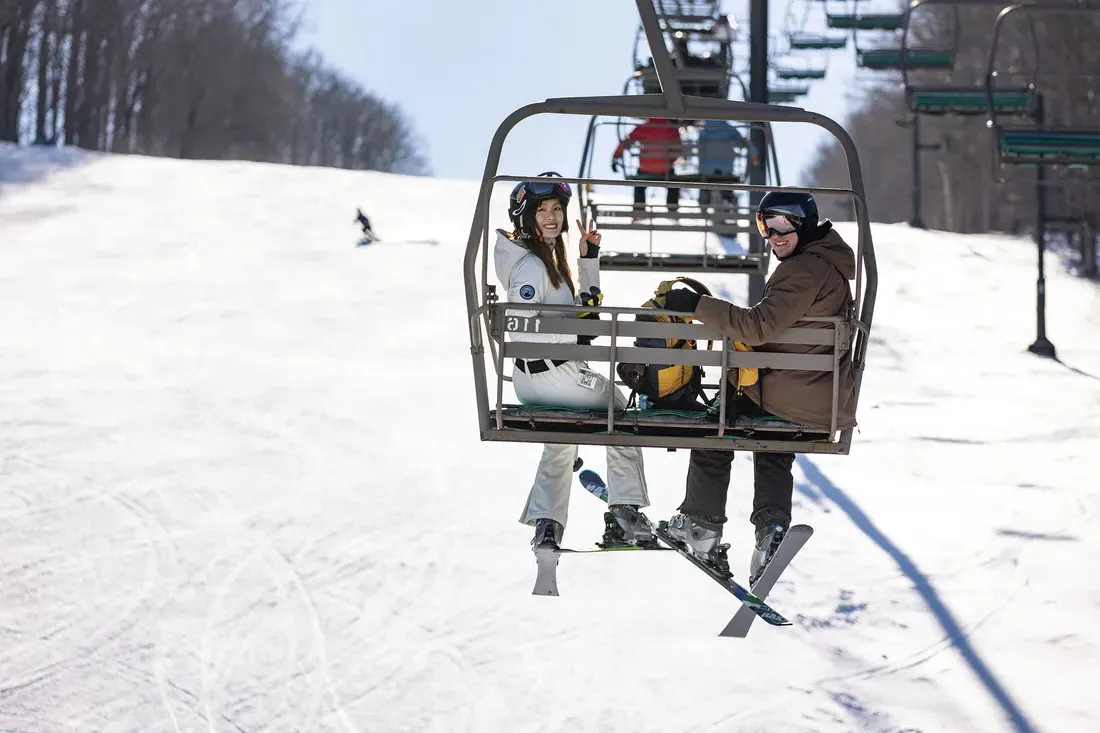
x=799, y=206
x=526, y=197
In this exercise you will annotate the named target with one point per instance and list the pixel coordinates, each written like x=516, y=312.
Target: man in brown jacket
x=815, y=265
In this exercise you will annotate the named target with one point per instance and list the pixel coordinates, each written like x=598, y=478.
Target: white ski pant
x=549, y=497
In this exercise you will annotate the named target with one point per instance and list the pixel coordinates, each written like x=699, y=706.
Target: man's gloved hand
x=682, y=300
x=615, y=165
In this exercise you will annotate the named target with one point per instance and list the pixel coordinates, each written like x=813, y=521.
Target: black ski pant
x=672, y=198
x=708, y=478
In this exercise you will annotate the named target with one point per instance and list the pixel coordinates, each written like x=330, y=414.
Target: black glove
x=614, y=165
x=593, y=298
x=682, y=300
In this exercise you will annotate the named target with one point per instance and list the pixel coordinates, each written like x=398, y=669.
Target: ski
x=371, y=239
x=546, y=582
x=625, y=548
x=794, y=540
x=754, y=604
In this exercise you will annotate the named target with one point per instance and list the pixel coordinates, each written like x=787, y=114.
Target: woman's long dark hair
x=554, y=258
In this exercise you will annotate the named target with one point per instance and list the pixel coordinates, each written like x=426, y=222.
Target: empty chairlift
x=852, y=18
x=960, y=100
x=1074, y=143
x=798, y=70
x=816, y=42
x=786, y=93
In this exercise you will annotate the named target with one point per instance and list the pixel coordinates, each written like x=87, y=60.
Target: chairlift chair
x=490, y=322
x=1037, y=143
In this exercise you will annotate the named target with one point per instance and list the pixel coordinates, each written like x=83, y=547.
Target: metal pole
x=758, y=92
x=1042, y=345
x=916, y=221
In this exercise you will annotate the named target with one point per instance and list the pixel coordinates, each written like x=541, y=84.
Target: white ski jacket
x=525, y=278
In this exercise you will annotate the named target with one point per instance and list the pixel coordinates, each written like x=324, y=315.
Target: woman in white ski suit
x=523, y=262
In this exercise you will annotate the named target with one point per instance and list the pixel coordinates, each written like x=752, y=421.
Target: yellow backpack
x=673, y=386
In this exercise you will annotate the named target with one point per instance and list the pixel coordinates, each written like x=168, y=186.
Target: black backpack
x=666, y=386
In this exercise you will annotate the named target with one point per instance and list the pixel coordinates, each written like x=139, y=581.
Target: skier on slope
x=811, y=280
x=364, y=222
x=531, y=263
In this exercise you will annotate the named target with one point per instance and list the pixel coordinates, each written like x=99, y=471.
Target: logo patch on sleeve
x=527, y=292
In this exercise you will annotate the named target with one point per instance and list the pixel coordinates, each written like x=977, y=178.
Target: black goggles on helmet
x=540, y=190
x=779, y=221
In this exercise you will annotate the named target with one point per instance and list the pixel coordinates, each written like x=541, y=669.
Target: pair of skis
x=752, y=600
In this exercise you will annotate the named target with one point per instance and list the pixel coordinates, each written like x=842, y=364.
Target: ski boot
x=625, y=525
x=702, y=536
x=771, y=527
x=548, y=535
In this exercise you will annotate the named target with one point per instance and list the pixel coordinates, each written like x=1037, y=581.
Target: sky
x=244, y=490
x=457, y=73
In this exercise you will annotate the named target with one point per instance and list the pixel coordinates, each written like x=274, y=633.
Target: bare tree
x=191, y=78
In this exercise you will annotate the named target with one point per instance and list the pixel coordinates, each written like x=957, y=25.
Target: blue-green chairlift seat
x=915, y=58
x=867, y=22
x=970, y=101
x=1056, y=147
x=813, y=42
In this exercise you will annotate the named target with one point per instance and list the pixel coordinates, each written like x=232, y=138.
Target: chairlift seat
x=789, y=73
x=653, y=422
x=664, y=428
x=647, y=224
x=1055, y=147
x=915, y=58
x=868, y=22
x=787, y=94
x=817, y=43
x=969, y=101
x=732, y=264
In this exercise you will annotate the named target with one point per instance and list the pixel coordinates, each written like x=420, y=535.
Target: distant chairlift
x=784, y=94
x=688, y=217
x=900, y=57
x=490, y=320
x=704, y=74
x=1037, y=143
x=865, y=21
x=957, y=100
x=816, y=42
x=800, y=73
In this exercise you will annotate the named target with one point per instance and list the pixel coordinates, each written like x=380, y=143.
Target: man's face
x=784, y=244
x=782, y=233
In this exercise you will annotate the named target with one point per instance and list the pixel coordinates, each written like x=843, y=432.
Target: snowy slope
x=243, y=490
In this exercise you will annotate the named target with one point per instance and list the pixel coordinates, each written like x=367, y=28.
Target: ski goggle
x=777, y=223
x=539, y=190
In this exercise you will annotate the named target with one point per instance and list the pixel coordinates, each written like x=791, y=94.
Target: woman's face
x=549, y=218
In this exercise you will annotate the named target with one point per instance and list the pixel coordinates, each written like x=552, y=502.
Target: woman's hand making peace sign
x=588, y=236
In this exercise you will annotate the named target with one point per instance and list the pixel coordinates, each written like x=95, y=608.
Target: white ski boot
x=702, y=536
x=624, y=524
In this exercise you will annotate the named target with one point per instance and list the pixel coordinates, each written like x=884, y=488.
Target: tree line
x=207, y=79
x=1059, y=52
